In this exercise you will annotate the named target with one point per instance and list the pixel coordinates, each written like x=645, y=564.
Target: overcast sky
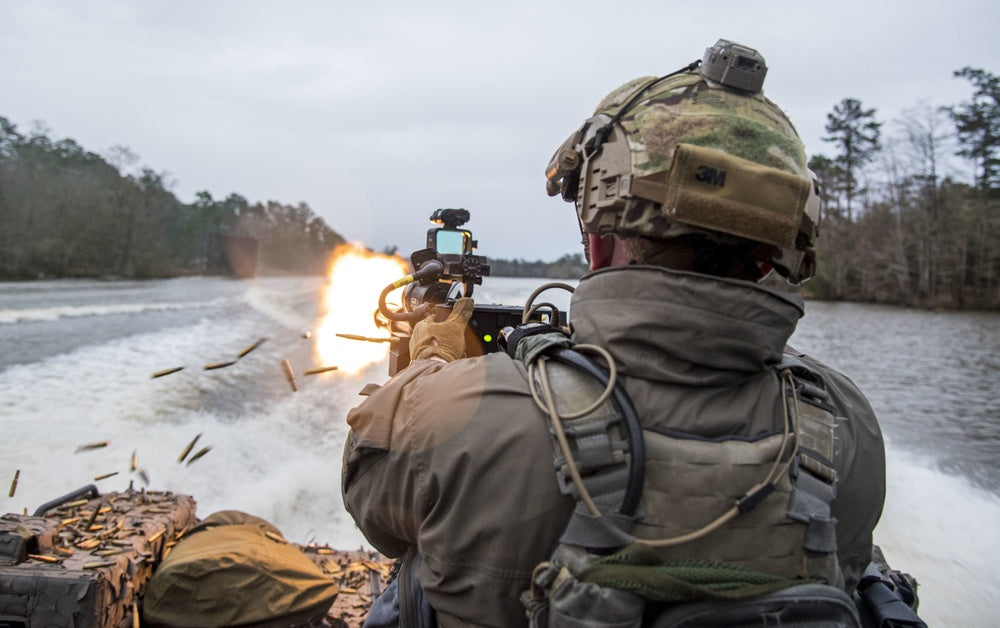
x=377, y=113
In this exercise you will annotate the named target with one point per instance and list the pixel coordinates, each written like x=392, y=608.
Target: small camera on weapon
x=449, y=268
x=445, y=271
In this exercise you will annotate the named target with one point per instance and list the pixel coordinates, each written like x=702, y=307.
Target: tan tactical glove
x=446, y=339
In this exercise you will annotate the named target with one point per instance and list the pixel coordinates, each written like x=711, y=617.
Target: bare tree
x=925, y=133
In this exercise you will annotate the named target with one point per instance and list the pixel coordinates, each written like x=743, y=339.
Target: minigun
x=445, y=271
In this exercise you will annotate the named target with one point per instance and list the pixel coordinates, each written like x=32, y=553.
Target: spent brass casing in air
x=219, y=365
x=201, y=452
x=252, y=347
x=289, y=374
x=167, y=371
x=104, y=476
x=89, y=446
x=364, y=338
x=13, y=485
x=319, y=369
x=188, y=449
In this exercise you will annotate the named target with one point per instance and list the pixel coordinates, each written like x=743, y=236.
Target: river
x=76, y=359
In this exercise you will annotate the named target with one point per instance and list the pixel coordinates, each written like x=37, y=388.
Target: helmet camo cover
x=693, y=156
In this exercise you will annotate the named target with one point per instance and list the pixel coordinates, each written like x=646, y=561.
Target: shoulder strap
x=814, y=474
x=598, y=446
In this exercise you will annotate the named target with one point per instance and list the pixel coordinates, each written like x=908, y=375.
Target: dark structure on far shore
x=231, y=255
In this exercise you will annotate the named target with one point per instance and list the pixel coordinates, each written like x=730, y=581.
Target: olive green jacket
x=457, y=459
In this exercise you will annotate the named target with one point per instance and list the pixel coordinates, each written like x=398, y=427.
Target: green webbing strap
x=638, y=569
x=529, y=348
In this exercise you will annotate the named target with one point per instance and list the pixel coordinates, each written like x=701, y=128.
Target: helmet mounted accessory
x=700, y=150
x=735, y=66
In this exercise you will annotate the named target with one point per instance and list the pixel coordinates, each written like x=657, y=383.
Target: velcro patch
x=713, y=190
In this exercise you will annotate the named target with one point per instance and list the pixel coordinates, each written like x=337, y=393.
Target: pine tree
x=856, y=134
x=977, y=123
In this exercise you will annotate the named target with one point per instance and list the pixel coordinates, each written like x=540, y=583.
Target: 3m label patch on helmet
x=711, y=175
x=714, y=190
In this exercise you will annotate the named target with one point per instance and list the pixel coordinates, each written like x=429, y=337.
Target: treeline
x=900, y=225
x=566, y=267
x=68, y=212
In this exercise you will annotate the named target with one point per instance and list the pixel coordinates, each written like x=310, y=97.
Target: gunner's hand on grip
x=445, y=339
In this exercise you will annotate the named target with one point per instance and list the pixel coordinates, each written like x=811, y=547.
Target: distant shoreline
x=775, y=284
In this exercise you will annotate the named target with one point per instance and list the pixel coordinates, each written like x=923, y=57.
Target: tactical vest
x=784, y=527
x=726, y=518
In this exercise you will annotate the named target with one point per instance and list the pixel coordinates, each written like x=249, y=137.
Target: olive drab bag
x=234, y=569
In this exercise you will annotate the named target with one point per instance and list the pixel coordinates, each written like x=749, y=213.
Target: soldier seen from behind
x=703, y=469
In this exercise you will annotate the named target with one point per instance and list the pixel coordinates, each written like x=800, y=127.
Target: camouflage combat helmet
x=697, y=151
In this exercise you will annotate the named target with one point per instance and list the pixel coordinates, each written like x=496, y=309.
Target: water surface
x=76, y=359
